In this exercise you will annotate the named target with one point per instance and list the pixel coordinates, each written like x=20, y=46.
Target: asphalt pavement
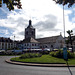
x=36, y=64
x=11, y=69
x=40, y=64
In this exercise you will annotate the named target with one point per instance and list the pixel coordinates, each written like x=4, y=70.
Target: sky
x=46, y=16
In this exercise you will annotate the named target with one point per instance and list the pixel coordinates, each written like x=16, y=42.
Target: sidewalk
x=36, y=64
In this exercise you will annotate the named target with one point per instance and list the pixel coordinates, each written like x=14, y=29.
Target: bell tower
x=30, y=31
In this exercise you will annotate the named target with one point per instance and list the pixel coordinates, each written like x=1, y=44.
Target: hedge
x=59, y=54
x=30, y=55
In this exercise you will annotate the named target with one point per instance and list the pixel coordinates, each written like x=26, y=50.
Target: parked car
x=9, y=52
x=46, y=49
x=55, y=49
x=2, y=52
x=70, y=49
x=17, y=51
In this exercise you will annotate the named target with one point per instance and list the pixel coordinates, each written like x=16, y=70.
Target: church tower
x=30, y=31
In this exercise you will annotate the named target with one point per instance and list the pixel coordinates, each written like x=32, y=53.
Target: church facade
x=31, y=42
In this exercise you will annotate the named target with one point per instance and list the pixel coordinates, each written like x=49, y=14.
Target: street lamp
x=64, y=48
x=14, y=47
x=64, y=24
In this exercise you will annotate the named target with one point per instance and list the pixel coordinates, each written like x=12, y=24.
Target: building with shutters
x=31, y=42
x=6, y=43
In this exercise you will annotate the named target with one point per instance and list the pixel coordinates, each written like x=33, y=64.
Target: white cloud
x=6, y=32
x=73, y=19
x=2, y=31
x=46, y=16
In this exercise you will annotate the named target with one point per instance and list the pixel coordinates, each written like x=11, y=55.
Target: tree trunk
x=71, y=43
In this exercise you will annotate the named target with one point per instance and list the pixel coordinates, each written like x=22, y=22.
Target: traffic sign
x=65, y=53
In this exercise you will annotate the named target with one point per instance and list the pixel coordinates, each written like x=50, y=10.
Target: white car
x=46, y=49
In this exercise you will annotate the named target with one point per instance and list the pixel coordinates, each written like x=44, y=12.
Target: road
x=11, y=69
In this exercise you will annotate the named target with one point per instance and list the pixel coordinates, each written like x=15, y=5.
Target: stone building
x=30, y=42
x=6, y=43
x=54, y=42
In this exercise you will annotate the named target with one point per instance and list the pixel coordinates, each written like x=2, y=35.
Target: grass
x=45, y=59
x=71, y=61
x=42, y=59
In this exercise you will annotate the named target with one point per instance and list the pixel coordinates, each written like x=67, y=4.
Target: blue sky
x=46, y=16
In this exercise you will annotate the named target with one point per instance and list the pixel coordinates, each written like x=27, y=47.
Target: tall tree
x=70, y=33
x=64, y=2
x=11, y=3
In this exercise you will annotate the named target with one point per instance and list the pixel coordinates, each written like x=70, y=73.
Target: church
x=31, y=42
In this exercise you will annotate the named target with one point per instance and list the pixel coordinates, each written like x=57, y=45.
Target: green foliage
x=52, y=53
x=70, y=55
x=59, y=54
x=11, y=3
x=70, y=38
x=30, y=55
x=44, y=52
x=42, y=59
x=64, y=2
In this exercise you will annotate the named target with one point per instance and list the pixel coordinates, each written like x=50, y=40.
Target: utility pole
x=14, y=47
x=64, y=48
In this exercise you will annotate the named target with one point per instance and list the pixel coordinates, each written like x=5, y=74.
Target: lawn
x=71, y=61
x=42, y=59
x=45, y=59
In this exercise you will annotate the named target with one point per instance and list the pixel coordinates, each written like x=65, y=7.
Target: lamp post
x=14, y=47
x=64, y=24
x=64, y=48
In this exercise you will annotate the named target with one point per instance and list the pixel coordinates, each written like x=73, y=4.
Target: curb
x=36, y=64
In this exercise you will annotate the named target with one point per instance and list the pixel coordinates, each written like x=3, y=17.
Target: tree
x=11, y=3
x=70, y=38
x=64, y=2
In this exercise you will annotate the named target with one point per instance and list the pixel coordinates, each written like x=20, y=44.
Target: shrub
x=59, y=54
x=30, y=55
x=24, y=56
x=44, y=52
x=70, y=54
x=52, y=53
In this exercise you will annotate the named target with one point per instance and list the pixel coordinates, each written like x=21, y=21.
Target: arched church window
x=51, y=46
x=35, y=44
x=40, y=46
x=25, y=44
x=32, y=44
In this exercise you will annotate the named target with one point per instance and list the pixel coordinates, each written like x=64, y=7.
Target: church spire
x=30, y=31
x=30, y=22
